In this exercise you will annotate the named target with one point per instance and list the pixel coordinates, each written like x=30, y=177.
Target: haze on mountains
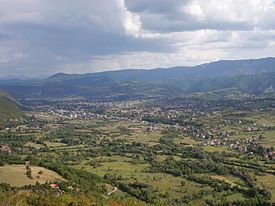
x=248, y=76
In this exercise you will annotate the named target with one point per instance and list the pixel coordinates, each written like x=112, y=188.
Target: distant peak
x=58, y=74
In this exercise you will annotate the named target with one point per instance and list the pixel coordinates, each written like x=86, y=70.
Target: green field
x=9, y=109
x=34, y=145
x=54, y=144
x=268, y=181
x=215, y=148
x=123, y=168
x=269, y=138
x=168, y=183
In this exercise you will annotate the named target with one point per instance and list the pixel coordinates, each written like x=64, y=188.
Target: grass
x=15, y=175
x=215, y=148
x=123, y=168
x=268, y=181
x=41, y=115
x=217, y=195
x=54, y=144
x=162, y=158
x=228, y=179
x=168, y=183
x=151, y=138
x=267, y=119
x=186, y=141
x=241, y=136
x=269, y=139
x=137, y=172
x=234, y=197
x=34, y=145
x=113, y=126
x=112, y=130
x=9, y=109
x=114, y=158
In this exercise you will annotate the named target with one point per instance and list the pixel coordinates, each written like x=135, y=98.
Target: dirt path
x=111, y=192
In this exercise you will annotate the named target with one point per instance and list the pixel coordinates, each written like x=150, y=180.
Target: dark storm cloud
x=156, y=6
x=47, y=36
x=55, y=35
x=75, y=42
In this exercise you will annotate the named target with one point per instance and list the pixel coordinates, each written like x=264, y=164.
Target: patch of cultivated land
x=34, y=145
x=15, y=175
x=228, y=179
x=215, y=148
x=175, y=186
x=151, y=138
x=124, y=168
x=269, y=138
x=187, y=141
x=268, y=181
x=54, y=144
x=267, y=119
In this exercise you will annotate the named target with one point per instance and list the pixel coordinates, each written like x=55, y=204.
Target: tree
x=29, y=174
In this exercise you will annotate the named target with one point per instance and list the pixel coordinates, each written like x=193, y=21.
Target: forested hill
x=254, y=76
x=9, y=109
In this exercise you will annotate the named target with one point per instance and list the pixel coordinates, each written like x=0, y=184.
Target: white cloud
x=48, y=36
x=252, y=13
x=130, y=21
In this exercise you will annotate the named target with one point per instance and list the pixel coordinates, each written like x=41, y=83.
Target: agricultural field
x=15, y=175
x=125, y=169
x=34, y=145
x=268, y=181
x=159, y=154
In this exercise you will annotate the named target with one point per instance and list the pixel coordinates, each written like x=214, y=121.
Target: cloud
x=49, y=33
x=182, y=15
x=40, y=37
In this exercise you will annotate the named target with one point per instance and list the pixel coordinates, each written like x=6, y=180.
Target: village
x=209, y=128
x=132, y=145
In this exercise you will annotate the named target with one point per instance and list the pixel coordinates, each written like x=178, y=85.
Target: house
x=28, y=163
x=54, y=186
x=5, y=149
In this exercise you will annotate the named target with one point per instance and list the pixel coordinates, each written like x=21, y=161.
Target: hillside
x=180, y=76
x=9, y=109
x=253, y=84
x=250, y=76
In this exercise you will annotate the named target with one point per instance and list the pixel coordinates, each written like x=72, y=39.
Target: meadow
x=15, y=175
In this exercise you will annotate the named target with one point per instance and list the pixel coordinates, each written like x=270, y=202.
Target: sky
x=44, y=37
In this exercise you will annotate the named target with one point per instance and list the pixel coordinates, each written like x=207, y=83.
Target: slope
x=9, y=109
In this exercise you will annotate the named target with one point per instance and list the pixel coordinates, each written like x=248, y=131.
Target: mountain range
x=254, y=76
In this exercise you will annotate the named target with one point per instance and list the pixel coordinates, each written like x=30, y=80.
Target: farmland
x=158, y=153
x=15, y=175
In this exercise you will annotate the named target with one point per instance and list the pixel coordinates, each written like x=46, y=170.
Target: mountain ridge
x=154, y=83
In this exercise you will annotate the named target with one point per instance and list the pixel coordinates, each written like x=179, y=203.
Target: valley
x=176, y=151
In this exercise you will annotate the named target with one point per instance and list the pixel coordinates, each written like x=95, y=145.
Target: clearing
x=15, y=175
